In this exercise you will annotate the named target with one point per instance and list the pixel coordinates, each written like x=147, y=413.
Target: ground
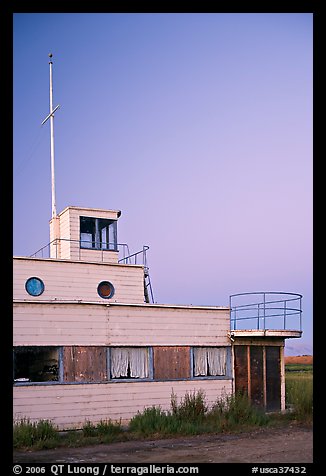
x=290, y=444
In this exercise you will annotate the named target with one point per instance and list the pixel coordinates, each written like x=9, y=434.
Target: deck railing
x=266, y=310
x=125, y=257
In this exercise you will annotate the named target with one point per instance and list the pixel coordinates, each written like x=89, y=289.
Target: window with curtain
x=209, y=361
x=129, y=362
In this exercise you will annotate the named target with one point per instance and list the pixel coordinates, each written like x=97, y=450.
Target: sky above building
x=198, y=127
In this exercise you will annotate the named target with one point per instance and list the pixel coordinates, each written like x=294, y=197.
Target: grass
x=37, y=434
x=190, y=416
x=299, y=391
x=299, y=368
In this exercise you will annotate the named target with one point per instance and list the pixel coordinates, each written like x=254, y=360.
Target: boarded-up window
x=129, y=362
x=209, y=361
x=84, y=364
x=171, y=363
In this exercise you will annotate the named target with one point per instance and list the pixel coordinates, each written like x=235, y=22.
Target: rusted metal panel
x=241, y=368
x=84, y=364
x=171, y=362
x=273, y=379
x=256, y=376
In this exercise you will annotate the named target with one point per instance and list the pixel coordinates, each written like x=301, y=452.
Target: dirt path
x=292, y=444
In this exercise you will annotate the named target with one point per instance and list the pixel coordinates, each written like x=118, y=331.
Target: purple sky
x=197, y=126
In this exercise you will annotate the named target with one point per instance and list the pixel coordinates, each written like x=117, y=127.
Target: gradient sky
x=198, y=127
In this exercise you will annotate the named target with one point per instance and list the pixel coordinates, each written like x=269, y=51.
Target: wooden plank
x=78, y=280
x=259, y=341
x=84, y=364
x=106, y=401
x=273, y=379
x=256, y=376
x=171, y=362
x=241, y=369
x=167, y=326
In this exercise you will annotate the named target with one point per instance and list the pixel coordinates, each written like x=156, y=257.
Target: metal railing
x=122, y=248
x=134, y=259
x=266, y=310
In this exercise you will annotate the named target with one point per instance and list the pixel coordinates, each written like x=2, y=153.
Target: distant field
x=299, y=359
x=300, y=365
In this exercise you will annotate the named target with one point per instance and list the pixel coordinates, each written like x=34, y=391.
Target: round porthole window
x=34, y=286
x=105, y=289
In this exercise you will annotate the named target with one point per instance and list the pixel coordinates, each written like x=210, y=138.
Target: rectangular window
x=129, y=362
x=209, y=361
x=36, y=364
x=98, y=233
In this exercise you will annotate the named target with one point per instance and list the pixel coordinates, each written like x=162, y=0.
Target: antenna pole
x=54, y=210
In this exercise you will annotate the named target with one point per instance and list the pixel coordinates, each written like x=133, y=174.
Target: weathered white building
x=90, y=345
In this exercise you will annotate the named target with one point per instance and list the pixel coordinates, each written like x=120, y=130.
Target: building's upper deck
x=266, y=314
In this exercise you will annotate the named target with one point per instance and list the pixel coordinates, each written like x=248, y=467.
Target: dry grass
x=299, y=359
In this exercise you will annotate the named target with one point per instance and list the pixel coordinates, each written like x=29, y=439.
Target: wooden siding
x=59, y=324
x=259, y=373
x=241, y=368
x=256, y=376
x=66, y=280
x=94, y=324
x=70, y=406
x=171, y=362
x=160, y=325
x=104, y=256
x=273, y=379
x=264, y=341
x=73, y=214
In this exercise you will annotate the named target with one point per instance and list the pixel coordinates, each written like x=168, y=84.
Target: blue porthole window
x=34, y=286
x=105, y=289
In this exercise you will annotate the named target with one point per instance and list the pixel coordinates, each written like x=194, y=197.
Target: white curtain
x=200, y=361
x=209, y=361
x=119, y=362
x=138, y=361
x=136, y=358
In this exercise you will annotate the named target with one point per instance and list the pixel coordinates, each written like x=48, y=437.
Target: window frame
x=105, y=282
x=151, y=370
x=228, y=371
x=46, y=382
x=100, y=241
x=41, y=282
x=131, y=379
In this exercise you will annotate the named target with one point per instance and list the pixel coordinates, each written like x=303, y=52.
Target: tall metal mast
x=51, y=117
